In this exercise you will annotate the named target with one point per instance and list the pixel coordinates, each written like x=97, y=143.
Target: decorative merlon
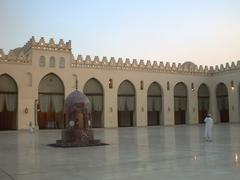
x=15, y=56
x=2, y=55
x=51, y=45
x=23, y=55
x=120, y=64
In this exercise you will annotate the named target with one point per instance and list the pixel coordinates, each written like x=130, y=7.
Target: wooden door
x=201, y=115
x=96, y=119
x=179, y=117
x=153, y=118
x=224, y=115
x=125, y=118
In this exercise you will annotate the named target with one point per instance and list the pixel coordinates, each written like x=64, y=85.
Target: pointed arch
x=222, y=102
x=203, y=102
x=51, y=98
x=180, y=103
x=154, y=101
x=93, y=86
x=94, y=91
x=8, y=102
x=126, y=87
x=126, y=104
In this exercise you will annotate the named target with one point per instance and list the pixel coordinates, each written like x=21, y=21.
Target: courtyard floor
x=151, y=153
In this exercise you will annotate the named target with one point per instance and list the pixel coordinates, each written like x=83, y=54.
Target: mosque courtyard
x=148, y=153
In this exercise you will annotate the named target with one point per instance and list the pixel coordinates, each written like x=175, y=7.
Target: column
x=233, y=99
x=213, y=109
x=110, y=108
x=168, y=105
x=192, y=117
x=141, y=107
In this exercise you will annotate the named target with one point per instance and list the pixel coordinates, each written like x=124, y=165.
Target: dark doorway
x=94, y=91
x=51, y=100
x=222, y=102
x=180, y=103
x=8, y=103
x=126, y=104
x=154, y=101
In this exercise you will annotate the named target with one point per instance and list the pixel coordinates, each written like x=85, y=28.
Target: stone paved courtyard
x=176, y=152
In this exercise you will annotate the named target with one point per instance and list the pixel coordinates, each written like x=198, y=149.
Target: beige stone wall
x=28, y=92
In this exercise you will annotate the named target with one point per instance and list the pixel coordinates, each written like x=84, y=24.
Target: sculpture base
x=74, y=137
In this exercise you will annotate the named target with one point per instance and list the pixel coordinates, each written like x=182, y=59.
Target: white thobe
x=208, y=128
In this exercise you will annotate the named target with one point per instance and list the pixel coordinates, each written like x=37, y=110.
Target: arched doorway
x=94, y=91
x=8, y=103
x=222, y=102
x=126, y=104
x=51, y=99
x=154, y=100
x=180, y=103
x=203, y=102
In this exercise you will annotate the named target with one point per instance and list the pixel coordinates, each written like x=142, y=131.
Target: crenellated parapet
x=148, y=66
x=50, y=45
x=15, y=56
x=22, y=55
x=228, y=67
x=134, y=65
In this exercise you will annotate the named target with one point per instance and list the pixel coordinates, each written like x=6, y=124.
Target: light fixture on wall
x=169, y=109
x=168, y=86
x=110, y=84
x=141, y=85
x=26, y=110
x=192, y=87
x=37, y=105
x=232, y=85
x=76, y=84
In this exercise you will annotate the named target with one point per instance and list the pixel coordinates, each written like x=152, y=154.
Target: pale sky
x=206, y=32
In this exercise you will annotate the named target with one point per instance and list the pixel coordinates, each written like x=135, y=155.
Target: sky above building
x=204, y=32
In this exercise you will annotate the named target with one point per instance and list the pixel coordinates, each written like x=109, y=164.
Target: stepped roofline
x=50, y=45
x=22, y=55
x=134, y=65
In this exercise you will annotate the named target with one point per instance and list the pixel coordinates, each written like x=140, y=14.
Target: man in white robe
x=208, y=127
